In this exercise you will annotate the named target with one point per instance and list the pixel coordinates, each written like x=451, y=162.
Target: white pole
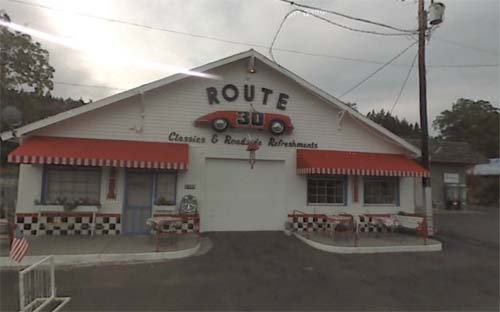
x=52, y=278
x=21, y=291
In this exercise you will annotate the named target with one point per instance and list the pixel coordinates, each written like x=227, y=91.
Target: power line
x=378, y=69
x=463, y=66
x=118, y=21
x=285, y=18
x=278, y=32
x=404, y=83
x=372, y=32
x=255, y=45
x=348, y=16
x=462, y=45
x=73, y=84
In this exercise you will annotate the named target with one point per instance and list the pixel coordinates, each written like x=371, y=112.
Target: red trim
x=26, y=214
x=65, y=214
x=107, y=215
x=183, y=216
x=100, y=152
x=374, y=215
x=355, y=189
x=112, y=183
x=307, y=215
x=357, y=163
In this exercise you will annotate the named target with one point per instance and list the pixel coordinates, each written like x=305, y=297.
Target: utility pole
x=436, y=17
x=424, y=128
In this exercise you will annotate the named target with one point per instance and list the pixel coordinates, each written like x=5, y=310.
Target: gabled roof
x=204, y=68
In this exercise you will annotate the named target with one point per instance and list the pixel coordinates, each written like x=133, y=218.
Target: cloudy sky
x=469, y=37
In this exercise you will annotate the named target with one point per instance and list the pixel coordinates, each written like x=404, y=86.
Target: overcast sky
x=469, y=36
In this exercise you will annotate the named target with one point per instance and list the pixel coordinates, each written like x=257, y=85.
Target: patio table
x=158, y=224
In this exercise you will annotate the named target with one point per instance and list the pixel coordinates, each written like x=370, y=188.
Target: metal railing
x=37, y=287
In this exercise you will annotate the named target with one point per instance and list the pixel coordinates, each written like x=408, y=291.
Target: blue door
x=138, y=202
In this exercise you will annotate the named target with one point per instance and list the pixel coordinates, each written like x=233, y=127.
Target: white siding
x=175, y=107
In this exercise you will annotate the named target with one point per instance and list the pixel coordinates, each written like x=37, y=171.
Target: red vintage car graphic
x=220, y=121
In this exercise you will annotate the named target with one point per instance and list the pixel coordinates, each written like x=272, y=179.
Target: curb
x=369, y=250
x=100, y=259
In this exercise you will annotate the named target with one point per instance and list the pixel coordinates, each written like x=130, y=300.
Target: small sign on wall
x=451, y=178
x=189, y=186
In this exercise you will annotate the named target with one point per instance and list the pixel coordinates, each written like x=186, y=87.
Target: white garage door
x=241, y=199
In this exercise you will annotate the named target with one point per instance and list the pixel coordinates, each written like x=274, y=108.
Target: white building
x=136, y=154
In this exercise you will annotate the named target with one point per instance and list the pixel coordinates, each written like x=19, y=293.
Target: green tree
x=474, y=122
x=392, y=123
x=23, y=62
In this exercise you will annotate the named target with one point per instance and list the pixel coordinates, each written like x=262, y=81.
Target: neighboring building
x=484, y=180
x=492, y=168
x=449, y=162
x=136, y=154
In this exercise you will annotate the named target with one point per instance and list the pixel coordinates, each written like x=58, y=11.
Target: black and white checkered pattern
x=27, y=223
x=190, y=225
x=308, y=223
x=108, y=225
x=68, y=224
x=313, y=223
x=65, y=225
x=366, y=224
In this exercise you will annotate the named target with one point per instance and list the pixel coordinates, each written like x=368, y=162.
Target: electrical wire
x=404, y=83
x=378, y=70
x=278, y=32
x=73, y=84
x=348, y=16
x=372, y=32
x=462, y=45
x=119, y=21
x=255, y=45
x=285, y=18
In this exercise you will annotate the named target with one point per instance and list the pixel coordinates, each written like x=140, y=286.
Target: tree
x=392, y=123
x=474, y=122
x=23, y=62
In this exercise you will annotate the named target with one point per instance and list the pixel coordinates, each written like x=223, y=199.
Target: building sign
x=231, y=140
x=231, y=93
x=451, y=178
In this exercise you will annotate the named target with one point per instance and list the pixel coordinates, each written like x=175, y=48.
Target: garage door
x=240, y=199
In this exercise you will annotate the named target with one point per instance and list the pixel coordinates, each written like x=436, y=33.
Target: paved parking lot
x=268, y=270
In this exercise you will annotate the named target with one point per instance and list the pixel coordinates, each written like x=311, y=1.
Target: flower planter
x=60, y=208
x=164, y=209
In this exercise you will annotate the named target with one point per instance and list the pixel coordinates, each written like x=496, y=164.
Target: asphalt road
x=268, y=270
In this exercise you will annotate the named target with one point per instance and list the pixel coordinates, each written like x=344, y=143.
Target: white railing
x=37, y=287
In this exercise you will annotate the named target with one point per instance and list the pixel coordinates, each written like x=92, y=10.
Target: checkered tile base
x=68, y=224
x=190, y=224
x=108, y=224
x=366, y=224
x=314, y=223
x=27, y=223
x=309, y=223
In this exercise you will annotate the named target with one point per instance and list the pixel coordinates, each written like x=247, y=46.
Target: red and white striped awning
x=98, y=152
x=357, y=163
